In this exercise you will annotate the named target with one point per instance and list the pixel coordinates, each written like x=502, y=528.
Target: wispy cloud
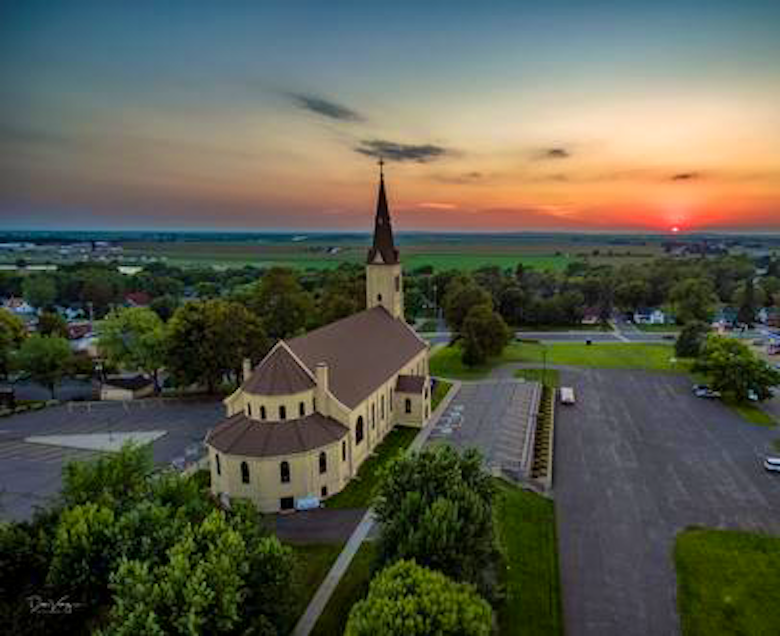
x=392, y=151
x=685, y=176
x=459, y=179
x=555, y=153
x=325, y=107
x=434, y=205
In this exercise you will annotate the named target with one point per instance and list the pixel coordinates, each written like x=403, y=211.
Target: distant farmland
x=319, y=255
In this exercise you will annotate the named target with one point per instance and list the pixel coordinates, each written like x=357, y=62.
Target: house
x=126, y=387
x=726, y=317
x=77, y=330
x=651, y=316
x=315, y=408
x=19, y=306
x=137, y=299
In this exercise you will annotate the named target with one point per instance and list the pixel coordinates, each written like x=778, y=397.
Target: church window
x=219, y=467
x=244, y=472
x=391, y=400
x=382, y=407
x=359, y=430
x=397, y=283
x=249, y=410
x=379, y=298
x=323, y=463
x=343, y=451
x=287, y=503
x=262, y=412
x=408, y=405
x=301, y=409
x=284, y=472
x=324, y=491
x=282, y=412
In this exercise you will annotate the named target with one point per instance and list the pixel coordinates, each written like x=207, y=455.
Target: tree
x=12, y=333
x=693, y=299
x=164, y=306
x=209, y=339
x=134, y=338
x=747, y=307
x=512, y=305
x=691, y=339
x=414, y=601
x=52, y=324
x=39, y=290
x=281, y=303
x=436, y=507
x=734, y=370
x=45, y=358
x=484, y=334
x=462, y=295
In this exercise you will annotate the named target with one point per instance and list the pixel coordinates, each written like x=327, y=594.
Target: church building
x=312, y=411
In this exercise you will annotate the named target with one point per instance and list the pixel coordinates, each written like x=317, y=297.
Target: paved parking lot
x=637, y=460
x=31, y=473
x=495, y=416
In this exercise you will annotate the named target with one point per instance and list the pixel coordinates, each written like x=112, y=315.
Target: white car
x=772, y=464
x=567, y=395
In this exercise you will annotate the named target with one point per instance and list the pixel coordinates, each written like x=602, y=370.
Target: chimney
x=247, y=371
x=321, y=393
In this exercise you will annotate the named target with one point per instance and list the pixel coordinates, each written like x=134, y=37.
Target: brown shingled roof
x=362, y=351
x=410, y=384
x=279, y=373
x=239, y=435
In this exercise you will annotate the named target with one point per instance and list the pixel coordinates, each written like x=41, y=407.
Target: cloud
x=555, y=153
x=324, y=107
x=433, y=205
x=685, y=176
x=392, y=151
x=459, y=179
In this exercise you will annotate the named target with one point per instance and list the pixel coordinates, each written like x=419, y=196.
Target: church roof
x=240, y=435
x=384, y=246
x=410, y=384
x=362, y=351
x=279, y=373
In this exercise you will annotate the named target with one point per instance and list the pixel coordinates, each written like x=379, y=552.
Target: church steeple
x=384, y=286
x=383, y=250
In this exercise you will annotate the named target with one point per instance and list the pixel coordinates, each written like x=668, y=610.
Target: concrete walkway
x=317, y=605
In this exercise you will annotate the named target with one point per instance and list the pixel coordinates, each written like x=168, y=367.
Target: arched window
x=408, y=405
x=323, y=463
x=301, y=409
x=397, y=283
x=282, y=412
x=313, y=405
x=249, y=410
x=262, y=412
x=373, y=412
x=343, y=451
x=219, y=467
x=391, y=400
x=359, y=430
x=284, y=472
x=244, y=472
x=382, y=407
x=379, y=297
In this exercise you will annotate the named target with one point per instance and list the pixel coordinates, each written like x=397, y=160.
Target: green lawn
x=752, y=413
x=312, y=564
x=439, y=393
x=549, y=378
x=651, y=357
x=358, y=493
x=525, y=528
x=728, y=582
x=352, y=587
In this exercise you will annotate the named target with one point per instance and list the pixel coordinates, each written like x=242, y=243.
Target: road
x=637, y=460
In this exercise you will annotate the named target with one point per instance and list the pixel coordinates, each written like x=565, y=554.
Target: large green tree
x=483, y=334
x=207, y=340
x=134, y=338
x=51, y=323
x=39, y=290
x=436, y=507
x=734, y=370
x=463, y=294
x=693, y=299
x=281, y=303
x=12, y=333
x=46, y=358
x=691, y=339
x=409, y=600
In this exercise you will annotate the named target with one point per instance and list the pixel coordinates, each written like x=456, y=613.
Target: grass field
x=352, y=587
x=439, y=393
x=728, y=582
x=525, y=528
x=312, y=564
x=753, y=414
x=358, y=493
x=651, y=357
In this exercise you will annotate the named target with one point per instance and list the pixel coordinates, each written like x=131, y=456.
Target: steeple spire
x=384, y=246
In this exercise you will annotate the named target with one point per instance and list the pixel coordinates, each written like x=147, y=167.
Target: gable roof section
x=239, y=435
x=279, y=373
x=362, y=351
x=410, y=384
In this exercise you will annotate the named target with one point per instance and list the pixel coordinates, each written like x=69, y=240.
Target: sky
x=496, y=116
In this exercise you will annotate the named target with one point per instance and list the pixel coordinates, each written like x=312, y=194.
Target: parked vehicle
x=772, y=464
x=703, y=391
x=567, y=395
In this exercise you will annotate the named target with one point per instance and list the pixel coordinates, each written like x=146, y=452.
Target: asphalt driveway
x=30, y=474
x=637, y=460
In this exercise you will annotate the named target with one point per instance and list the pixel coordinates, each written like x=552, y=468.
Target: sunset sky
x=597, y=116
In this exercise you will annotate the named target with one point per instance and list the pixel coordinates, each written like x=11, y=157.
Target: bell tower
x=384, y=283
